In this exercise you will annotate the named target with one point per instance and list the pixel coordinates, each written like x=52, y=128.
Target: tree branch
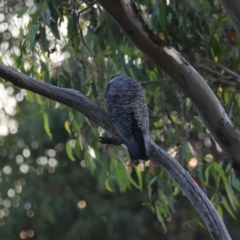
x=79, y=102
x=67, y=96
x=182, y=73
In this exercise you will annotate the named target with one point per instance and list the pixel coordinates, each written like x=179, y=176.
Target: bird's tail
x=135, y=151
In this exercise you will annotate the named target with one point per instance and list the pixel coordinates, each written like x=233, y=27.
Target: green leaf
x=107, y=186
x=219, y=210
x=67, y=127
x=32, y=34
x=159, y=211
x=77, y=149
x=46, y=125
x=69, y=151
x=235, y=183
x=207, y=175
x=225, y=204
x=122, y=176
x=39, y=99
x=48, y=16
x=219, y=169
x=171, y=136
x=89, y=162
x=162, y=14
x=30, y=96
x=197, y=125
x=232, y=197
x=21, y=12
x=176, y=120
x=133, y=182
x=159, y=123
x=139, y=175
x=57, y=11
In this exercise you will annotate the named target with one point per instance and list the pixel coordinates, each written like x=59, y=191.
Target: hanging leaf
x=232, y=198
x=197, y=125
x=235, y=183
x=30, y=96
x=159, y=212
x=133, y=182
x=220, y=211
x=139, y=175
x=21, y=12
x=89, y=162
x=107, y=186
x=227, y=207
x=39, y=99
x=69, y=151
x=46, y=125
x=172, y=135
x=67, y=127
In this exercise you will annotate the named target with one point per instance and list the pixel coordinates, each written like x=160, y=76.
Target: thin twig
x=225, y=68
x=210, y=70
x=85, y=9
x=84, y=43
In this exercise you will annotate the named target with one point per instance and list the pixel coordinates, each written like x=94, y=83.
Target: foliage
x=55, y=176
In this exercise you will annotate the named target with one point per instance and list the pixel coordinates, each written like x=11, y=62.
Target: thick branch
x=82, y=104
x=182, y=73
x=196, y=196
x=67, y=96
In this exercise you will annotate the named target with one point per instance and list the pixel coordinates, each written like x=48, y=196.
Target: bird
x=128, y=112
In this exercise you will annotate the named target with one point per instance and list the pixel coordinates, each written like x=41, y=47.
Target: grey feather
x=128, y=112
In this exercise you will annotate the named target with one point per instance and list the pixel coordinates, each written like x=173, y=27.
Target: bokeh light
x=11, y=193
x=208, y=157
x=7, y=170
x=24, y=168
x=192, y=163
x=82, y=204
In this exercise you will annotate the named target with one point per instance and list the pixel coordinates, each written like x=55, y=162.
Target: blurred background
x=56, y=180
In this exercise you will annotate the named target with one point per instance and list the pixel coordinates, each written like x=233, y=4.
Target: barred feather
x=127, y=109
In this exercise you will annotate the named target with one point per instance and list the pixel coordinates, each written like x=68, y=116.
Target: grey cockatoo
x=128, y=112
